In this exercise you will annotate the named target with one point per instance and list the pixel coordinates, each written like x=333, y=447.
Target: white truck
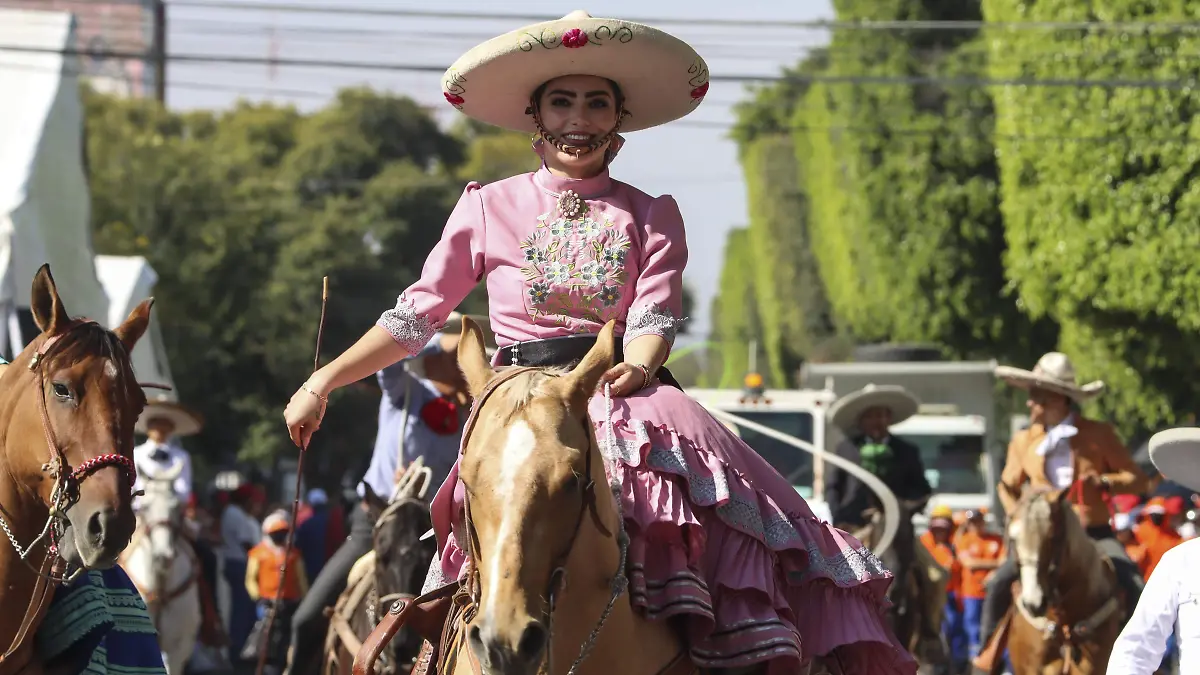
x=954, y=428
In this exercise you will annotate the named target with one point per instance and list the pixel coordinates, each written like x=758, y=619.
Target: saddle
x=429, y=615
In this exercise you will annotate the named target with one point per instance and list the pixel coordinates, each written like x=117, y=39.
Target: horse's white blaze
x=1028, y=533
x=514, y=456
x=110, y=369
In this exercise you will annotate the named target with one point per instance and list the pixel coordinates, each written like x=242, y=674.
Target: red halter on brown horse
x=68, y=405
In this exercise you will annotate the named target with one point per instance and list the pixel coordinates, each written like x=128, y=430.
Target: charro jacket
x=1096, y=449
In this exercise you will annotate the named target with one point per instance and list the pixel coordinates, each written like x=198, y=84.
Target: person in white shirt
x=1170, y=602
x=164, y=422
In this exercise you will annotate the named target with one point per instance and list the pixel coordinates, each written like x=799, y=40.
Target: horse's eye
x=61, y=390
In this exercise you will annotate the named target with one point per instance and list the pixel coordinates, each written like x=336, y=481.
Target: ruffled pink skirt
x=719, y=538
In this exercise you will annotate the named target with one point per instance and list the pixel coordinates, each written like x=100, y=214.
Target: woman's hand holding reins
x=626, y=378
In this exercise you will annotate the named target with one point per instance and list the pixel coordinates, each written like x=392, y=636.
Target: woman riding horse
x=721, y=543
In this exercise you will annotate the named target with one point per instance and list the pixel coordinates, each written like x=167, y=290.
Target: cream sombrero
x=186, y=420
x=846, y=411
x=1053, y=372
x=661, y=76
x=1176, y=455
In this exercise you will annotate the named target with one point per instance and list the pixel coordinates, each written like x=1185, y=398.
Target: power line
x=819, y=24
x=967, y=81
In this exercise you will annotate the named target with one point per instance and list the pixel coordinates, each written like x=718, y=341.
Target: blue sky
x=692, y=160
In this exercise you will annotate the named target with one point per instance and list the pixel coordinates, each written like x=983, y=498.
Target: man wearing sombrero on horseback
x=165, y=421
x=1063, y=450
x=866, y=417
x=721, y=545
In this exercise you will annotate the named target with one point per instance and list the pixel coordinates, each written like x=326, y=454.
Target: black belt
x=565, y=352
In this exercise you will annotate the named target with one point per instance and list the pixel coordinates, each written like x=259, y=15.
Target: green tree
x=242, y=213
x=789, y=296
x=1100, y=195
x=735, y=317
x=903, y=188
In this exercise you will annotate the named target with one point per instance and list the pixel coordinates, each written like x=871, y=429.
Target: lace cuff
x=652, y=319
x=413, y=331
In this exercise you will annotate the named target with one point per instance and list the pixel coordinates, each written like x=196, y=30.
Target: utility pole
x=160, y=51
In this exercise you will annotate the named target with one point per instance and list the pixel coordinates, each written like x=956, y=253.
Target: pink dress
x=717, y=535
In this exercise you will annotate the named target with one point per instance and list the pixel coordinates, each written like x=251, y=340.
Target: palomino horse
x=1067, y=608
x=918, y=594
x=163, y=565
x=68, y=405
x=547, y=585
x=394, y=569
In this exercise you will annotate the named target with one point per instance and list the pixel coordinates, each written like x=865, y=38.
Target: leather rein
x=64, y=494
x=468, y=596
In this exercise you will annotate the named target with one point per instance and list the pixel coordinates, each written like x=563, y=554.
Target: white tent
x=44, y=199
x=128, y=280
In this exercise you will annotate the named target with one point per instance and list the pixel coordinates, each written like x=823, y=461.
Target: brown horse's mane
x=518, y=392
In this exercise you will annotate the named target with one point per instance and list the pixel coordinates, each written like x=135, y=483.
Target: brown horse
x=546, y=536
x=68, y=405
x=1067, y=608
x=394, y=569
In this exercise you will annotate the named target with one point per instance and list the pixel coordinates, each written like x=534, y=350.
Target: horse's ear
x=582, y=381
x=134, y=326
x=472, y=358
x=47, y=308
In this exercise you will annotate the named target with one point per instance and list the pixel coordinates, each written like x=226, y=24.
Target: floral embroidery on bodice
x=574, y=267
x=561, y=256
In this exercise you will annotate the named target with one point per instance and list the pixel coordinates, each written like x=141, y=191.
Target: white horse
x=163, y=565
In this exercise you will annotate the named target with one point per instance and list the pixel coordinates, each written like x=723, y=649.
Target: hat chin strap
x=574, y=150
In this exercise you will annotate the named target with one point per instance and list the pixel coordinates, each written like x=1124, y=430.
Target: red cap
x=1125, y=503
x=251, y=492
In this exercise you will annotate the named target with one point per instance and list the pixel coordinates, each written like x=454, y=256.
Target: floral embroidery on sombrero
x=453, y=89
x=698, y=80
x=575, y=264
x=574, y=38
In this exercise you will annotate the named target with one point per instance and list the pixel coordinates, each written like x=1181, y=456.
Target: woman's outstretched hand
x=626, y=378
x=303, y=416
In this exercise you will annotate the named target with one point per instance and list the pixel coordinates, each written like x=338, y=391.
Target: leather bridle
x=64, y=494
x=468, y=596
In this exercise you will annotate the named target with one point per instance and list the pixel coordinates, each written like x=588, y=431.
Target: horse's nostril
x=533, y=641
x=95, y=525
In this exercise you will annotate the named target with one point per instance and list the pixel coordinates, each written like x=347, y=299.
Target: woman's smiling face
x=578, y=110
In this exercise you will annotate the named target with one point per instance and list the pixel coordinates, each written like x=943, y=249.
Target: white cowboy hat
x=1053, y=372
x=661, y=76
x=846, y=411
x=185, y=420
x=1176, y=455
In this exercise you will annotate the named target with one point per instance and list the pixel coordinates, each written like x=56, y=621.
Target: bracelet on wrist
x=645, y=374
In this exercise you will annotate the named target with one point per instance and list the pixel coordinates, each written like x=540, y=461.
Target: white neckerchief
x=1057, y=434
